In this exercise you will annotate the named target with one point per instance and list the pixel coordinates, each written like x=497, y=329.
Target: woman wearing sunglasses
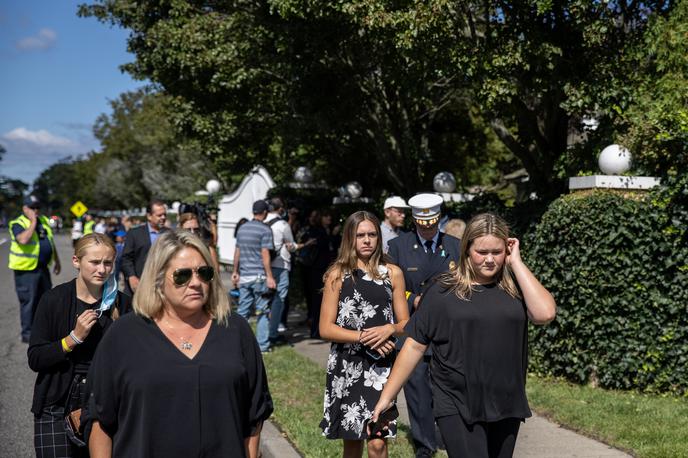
x=181, y=376
x=189, y=222
x=70, y=321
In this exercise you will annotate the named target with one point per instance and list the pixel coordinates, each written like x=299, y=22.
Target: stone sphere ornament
x=354, y=189
x=615, y=160
x=303, y=174
x=444, y=182
x=212, y=186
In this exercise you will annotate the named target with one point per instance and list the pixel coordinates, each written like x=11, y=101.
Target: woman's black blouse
x=55, y=317
x=479, y=352
x=156, y=402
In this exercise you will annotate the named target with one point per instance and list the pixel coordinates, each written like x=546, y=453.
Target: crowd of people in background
x=397, y=305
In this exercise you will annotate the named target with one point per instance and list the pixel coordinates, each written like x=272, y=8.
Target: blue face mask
x=109, y=295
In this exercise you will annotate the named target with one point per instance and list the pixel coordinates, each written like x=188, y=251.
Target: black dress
x=156, y=402
x=354, y=379
x=479, y=352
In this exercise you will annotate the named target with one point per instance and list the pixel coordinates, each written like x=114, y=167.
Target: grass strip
x=297, y=386
x=649, y=426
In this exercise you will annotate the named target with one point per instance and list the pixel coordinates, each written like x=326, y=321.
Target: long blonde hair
x=149, y=299
x=347, y=259
x=461, y=279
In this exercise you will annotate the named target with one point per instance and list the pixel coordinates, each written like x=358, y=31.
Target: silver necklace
x=186, y=344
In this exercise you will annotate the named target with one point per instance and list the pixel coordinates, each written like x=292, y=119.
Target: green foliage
x=289, y=83
x=11, y=194
x=655, y=125
x=647, y=425
x=521, y=217
x=616, y=264
x=535, y=69
x=143, y=155
x=67, y=181
x=392, y=91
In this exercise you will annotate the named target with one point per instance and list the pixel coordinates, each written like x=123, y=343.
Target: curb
x=274, y=445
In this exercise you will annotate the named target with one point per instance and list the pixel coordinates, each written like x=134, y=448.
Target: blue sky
x=57, y=74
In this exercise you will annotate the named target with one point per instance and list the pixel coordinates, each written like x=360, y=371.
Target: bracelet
x=360, y=334
x=65, y=346
x=75, y=339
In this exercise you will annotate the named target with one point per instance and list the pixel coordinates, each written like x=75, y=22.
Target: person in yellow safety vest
x=88, y=224
x=31, y=252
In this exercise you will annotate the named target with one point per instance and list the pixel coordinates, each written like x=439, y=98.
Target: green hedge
x=618, y=267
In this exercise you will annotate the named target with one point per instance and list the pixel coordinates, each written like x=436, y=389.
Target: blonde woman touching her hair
x=363, y=307
x=475, y=320
x=181, y=376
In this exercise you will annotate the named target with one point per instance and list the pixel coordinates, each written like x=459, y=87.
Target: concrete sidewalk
x=538, y=437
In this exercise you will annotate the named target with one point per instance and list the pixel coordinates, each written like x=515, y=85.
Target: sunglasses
x=181, y=277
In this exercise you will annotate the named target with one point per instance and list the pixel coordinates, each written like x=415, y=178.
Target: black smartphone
x=376, y=427
x=374, y=354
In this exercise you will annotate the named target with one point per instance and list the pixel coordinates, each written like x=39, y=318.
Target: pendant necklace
x=186, y=344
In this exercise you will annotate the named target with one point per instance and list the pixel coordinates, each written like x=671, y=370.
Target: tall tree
x=265, y=82
x=142, y=155
x=535, y=69
x=384, y=88
x=656, y=123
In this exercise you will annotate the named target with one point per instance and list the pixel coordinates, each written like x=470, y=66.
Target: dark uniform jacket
x=420, y=267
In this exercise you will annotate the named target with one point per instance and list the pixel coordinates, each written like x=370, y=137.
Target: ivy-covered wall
x=618, y=268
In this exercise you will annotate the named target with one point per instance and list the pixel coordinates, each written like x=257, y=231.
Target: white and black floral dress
x=354, y=379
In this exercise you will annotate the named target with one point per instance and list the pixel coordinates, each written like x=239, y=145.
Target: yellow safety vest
x=25, y=256
x=88, y=227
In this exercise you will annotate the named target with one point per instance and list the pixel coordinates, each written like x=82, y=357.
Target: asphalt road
x=16, y=379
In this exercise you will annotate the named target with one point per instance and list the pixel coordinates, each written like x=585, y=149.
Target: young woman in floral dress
x=363, y=307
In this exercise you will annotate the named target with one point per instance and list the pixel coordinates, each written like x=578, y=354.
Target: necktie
x=428, y=246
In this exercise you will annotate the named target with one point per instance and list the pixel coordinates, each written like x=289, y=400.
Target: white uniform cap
x=425, y=208
x=396, y=202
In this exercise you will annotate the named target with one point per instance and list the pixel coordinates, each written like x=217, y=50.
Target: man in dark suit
x=139, y=241
x=422, y=255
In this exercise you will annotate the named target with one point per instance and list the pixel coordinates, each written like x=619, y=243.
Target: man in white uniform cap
x=394, y=219
x=422, y=255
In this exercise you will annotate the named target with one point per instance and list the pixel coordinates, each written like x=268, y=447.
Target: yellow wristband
x=65, y=347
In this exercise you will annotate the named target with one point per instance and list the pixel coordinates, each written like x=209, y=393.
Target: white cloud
x=45, y=39
x=30, y=152
x=42, y=139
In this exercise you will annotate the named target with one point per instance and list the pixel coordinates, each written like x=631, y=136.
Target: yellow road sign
x=78, y=208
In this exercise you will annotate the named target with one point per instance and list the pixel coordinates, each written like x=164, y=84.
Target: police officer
x=31, y=252
x=422, y=255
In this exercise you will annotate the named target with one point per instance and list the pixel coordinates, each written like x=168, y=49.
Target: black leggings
x=479, y=440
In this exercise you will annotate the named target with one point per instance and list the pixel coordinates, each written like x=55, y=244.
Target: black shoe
x=279, y=340
x=422, y=452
